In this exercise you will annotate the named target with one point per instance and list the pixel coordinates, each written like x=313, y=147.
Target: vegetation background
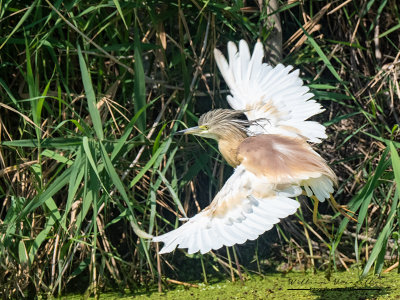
x=91, y=93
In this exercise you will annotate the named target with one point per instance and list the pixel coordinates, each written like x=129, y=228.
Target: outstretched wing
x=243, y=209
x=273, y=96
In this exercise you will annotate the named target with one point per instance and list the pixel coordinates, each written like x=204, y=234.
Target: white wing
x=275, y=97
x=244, y=208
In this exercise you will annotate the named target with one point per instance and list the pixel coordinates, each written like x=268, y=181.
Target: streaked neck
x=228, y=145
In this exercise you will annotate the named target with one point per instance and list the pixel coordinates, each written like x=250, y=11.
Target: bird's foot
x=342, y=209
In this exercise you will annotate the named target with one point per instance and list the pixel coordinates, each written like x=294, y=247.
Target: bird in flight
x=270, y=152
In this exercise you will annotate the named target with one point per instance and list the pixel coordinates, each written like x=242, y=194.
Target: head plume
x=220, y=123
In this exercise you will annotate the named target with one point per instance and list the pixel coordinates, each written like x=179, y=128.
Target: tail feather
x=321, y=187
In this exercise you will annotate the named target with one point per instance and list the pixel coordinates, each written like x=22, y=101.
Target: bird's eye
x=204, y=127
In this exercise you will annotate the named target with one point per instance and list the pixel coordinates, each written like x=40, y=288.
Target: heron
x=270, y=150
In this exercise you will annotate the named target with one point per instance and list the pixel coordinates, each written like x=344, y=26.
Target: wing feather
x=255, y=86
x=234, y=216
x=244, y=61
x=287, y=160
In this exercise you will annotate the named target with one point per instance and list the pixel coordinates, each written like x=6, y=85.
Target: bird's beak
x=191, y=130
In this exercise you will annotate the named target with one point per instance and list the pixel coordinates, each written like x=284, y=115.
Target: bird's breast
x=229, y=150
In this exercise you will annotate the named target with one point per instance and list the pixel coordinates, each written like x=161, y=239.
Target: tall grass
x=91, y=94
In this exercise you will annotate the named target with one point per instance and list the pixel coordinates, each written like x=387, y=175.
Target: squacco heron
x=270, y=152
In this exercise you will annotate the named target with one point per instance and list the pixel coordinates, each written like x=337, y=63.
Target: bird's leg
x=341, y=209
x=317, y=222
x=315, y=211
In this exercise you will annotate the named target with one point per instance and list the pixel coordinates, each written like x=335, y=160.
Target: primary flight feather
x=269, y=151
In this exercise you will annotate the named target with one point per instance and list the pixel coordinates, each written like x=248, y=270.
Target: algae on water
x=343, y=285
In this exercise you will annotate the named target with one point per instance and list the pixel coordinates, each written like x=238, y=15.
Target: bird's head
x=220, y=123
